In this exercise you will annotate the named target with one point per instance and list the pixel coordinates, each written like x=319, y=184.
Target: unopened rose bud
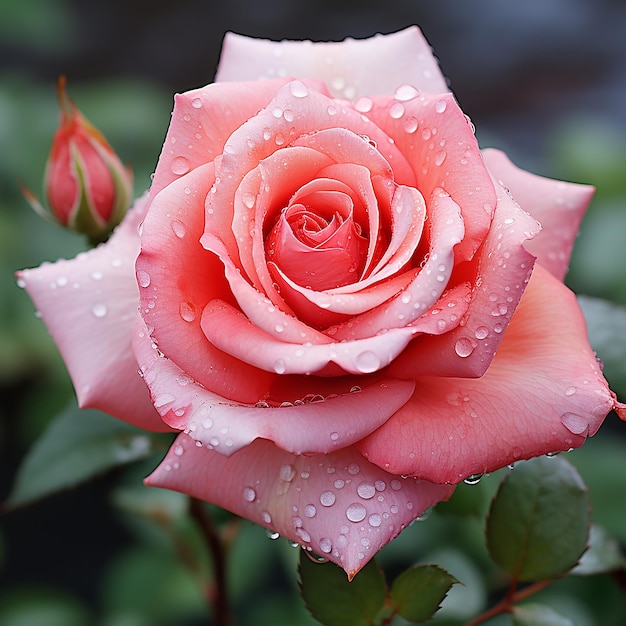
x=87, y=187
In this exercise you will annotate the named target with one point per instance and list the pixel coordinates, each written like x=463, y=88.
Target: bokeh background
x=544, y=80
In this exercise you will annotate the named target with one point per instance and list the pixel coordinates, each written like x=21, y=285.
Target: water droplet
x=375, y=520
x=410, y=124
x=326, y=545
x=396, y=485
x=463, y=347
x=143, y=278
x=266, y=517
x=279, y=366
x=248, y=199
x=187, y=311
x=576, y=424
x=356, y=512
x=366, y=490
x=287, y=472
x=406, y=92
x=327, y=498
x=570, y=391
x=364, y=105
x=298, y=89
x=249, y=494
x=481, y=332
x=353, y=469
x=396, y=110
x=367, y=362
x=272, y=534
x=310, y=510
x=341, y=542
x=196, y=103
x=440, y=157
x=180, y=165
x=473, y=479
x=99, y=310
x=440, y=106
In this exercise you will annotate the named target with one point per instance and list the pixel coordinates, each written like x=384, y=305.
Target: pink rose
x=344, y=307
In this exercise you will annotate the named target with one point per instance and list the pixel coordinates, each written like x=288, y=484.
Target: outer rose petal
x=225, y=425
x=543, y=392
x=202, y=120
x=337, y=505
x=350, y=68
x=89, y=305
x=558, y=206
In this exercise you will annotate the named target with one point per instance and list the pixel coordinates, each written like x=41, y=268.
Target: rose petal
x=503, y=269
x=172, y=308
x=558, y=206
x=438, y=140
x=89, y=305
x=202, y=121
x=543, y=392
x=350, y=68
x=337, y=505
x=340, y=419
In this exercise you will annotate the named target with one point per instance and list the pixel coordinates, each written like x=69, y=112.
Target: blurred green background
x=543, y=79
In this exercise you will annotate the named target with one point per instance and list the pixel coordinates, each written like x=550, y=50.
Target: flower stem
x=506, y=604
x=218, y=594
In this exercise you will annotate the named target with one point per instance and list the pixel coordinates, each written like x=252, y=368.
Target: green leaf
x=604, y=555
x=538, y=615
x=334, y=601
x=606, y=326
x=76, y=446
x=417, y=593
x=539, y=520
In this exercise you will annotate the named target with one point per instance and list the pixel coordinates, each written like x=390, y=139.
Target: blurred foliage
x=109, y=553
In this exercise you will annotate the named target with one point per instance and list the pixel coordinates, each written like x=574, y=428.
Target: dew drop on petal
x=326, y=545
x=298, y=89
x=366, y=490
x=143, y=278
x=396, y=110
x=180, y=165
x=364, y=105
x=310, y=510
x=279, y=366
x=287, y=472
x=375, y=520
x=440, y=106
x=327, y=498
x=570, y=391
x=356, y=512
x=411, y=124
x=481, y=332
x=576, y=424
x=249, y=494
x=405, y=92
x=196, y=103
x=463, y=347
x=341, y=542
x=367, y=362
x=99, y=310
x=187, y=311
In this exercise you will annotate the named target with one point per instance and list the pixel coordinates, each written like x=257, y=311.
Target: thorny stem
x=506, y=604
x=217, y=595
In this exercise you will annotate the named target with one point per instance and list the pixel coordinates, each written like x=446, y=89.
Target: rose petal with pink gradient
x=341, y=416
x=558, y=206
x=89, y=305
x=544, y=392
x=337, y=505
x=351, y=68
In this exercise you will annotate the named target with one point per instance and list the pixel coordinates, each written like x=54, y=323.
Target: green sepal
x=333, y=600
x=417, y=593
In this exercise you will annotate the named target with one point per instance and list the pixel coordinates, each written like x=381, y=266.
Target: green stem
x=217, y=595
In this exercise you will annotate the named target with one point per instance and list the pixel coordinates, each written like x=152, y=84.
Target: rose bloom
x=342, y=304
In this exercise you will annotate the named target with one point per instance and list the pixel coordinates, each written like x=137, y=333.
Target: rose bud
x=87, y=187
